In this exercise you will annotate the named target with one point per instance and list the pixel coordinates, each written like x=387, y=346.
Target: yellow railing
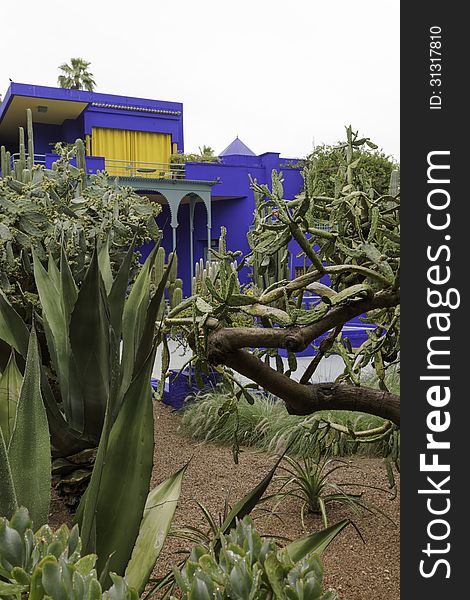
x=124, y=168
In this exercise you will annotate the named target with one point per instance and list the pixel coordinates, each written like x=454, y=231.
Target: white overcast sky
x=280, y=75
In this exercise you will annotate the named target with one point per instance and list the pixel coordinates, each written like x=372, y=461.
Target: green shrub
x=49, y=565
x=220, y=418
x=375, y=167
x=249, y=567
x=205, y=154
x=310, y=482
x=62, y=209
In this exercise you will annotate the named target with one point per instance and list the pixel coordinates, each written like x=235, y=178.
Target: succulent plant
x=49, y=565
x=249, y=567
x=48, y=210
x=25, y=467
x=112, y=405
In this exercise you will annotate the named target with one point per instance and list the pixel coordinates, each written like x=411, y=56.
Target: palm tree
x=76, y=75
x=206, y=152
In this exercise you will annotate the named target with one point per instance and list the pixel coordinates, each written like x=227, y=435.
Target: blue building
x=133, y=138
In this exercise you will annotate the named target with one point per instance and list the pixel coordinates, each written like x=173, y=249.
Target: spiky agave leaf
x=8, y=503
x=31, y=462
x=10, y=389
x=158, y=515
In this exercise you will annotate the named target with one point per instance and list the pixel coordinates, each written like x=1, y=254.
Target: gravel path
x=356, y=570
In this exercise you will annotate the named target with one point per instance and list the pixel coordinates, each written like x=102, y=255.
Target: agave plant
x=83, y=325
x=25, y=468
x=310, y=482
x=213, y=537
x=249, y=567
x=106, y=397
x=115, y=494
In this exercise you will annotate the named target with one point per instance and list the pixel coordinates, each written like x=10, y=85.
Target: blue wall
x=140, y=114
x=233, y=200
x=234, y=204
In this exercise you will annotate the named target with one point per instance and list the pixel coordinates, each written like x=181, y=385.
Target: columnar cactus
x=20, y=164
x=81, y=162
x=5, y=163
x=394, y=183
x=159, y=267
x=29, y=121
x=176, y=293
x=174, y=285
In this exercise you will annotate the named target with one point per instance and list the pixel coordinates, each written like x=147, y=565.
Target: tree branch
x=306, y=399
x=312, y=276
x=224, y=340
x=325, y=346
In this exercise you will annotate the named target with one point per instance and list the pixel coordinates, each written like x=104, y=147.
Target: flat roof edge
x=54, y=93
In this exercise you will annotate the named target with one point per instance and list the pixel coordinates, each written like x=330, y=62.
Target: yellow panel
x=56, y=113
x=136, y=149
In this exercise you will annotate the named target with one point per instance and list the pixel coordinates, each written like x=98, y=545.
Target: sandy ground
x=357, y=570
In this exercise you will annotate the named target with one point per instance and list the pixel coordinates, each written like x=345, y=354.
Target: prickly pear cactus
x=40, y=209
x=349, y=242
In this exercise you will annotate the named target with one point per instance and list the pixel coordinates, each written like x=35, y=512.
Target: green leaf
x=31, y=462
x=89, y=341
x=158, y=515
x=210, y=566
x=13, y=331
x=52, y=580
x=36, y=591
x=134, y=318
x=21, y=521
x=56, y=313
x=371, y=145
x=86, y=512
x=199, y=590
x=21, y=576
x=244, y=506
x=119, y=485
x=358, y=290
x=8, y=503
x=240, y=581
x=119, y=590
x=146, y=341
x=85, y=564
x=275, y=572
x=315, y=542
x=105, y=266
x=11, y=589
x=64, y=439
x=12, y=548
x=10, y=387
x=5, y=233
x=68, y=286
x=117, y=295
x=374, y=255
